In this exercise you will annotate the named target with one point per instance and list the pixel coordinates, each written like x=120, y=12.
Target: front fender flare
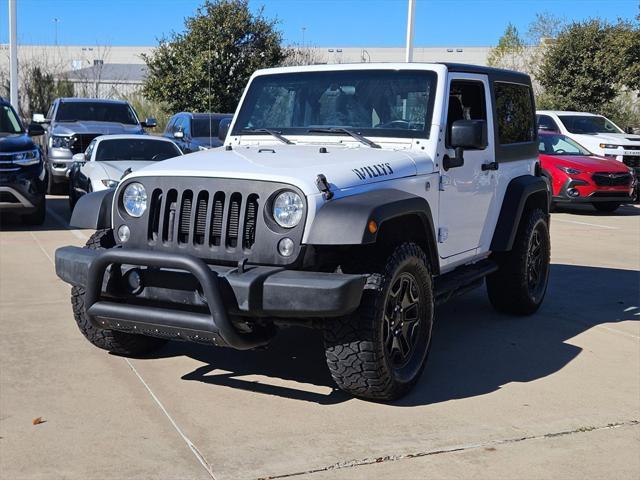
x=93, y=210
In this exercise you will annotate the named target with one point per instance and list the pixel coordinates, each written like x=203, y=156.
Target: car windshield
x=588, y=124
x=205, y=127
x=560, y=145
x=9, y=122
x=378, y=103
x=96, y=112
x=144, y=149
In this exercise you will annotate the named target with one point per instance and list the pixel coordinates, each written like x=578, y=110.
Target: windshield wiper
x=353, y=134
x=273, y=133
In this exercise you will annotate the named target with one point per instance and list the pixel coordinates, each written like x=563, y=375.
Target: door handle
x=490, y=166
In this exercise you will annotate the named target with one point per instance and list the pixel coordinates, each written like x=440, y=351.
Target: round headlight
x=287, y=209
x=135, y=199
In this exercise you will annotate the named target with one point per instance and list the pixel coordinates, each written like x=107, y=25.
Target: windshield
x=96, y=112
x=588, y=124
x=200, y=127
x=135, y=150
x=9, y=122
x=380, y=103
x=560, y=145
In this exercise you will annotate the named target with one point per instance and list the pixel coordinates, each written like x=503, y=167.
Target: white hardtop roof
x=133, y=136
x=353, y=66
x=567, y=112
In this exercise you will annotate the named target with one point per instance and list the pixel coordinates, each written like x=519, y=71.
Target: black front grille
x=632, y=161
x=203, y=218
x=608, y=194
x=615, y=179
x=80, y=141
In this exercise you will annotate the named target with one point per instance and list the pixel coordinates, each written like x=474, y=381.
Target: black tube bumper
x=180, y=296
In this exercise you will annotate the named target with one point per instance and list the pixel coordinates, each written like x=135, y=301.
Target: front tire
x=606, y=206
x=114, y=341
x=379, y=351
x=520, y=284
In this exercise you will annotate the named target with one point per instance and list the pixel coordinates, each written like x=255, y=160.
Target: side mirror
x=178, y=134
x=465, y=135
x=79, y=157
x=150, y=122
x=39, y=118
x=223, y=128
x=35, y=130
x=628, y=130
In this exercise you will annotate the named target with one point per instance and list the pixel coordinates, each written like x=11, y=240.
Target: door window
x=466, y=102
x=515, y=114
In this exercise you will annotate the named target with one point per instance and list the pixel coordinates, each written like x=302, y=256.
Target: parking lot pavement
x=553, y=395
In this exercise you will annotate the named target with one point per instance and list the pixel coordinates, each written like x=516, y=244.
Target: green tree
x=41, y=88
x=509, y=53
x=208, y=65
x=590, y=64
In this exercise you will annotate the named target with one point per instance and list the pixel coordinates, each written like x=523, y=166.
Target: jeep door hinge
x=444, y=181
x=443, y=234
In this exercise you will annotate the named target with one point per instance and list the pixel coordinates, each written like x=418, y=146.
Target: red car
x=579, y=176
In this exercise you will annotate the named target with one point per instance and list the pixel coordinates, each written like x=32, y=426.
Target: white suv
x=595, y=132
x=350, y=198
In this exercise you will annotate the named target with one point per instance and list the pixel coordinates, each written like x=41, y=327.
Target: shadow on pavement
x=474, y=351
x=58, y=205
x=588, y=210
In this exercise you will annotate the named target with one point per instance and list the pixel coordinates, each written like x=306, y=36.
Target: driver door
x=466, y=192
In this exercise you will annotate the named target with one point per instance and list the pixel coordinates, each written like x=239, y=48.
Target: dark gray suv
x=196, y=131
x=73, y=123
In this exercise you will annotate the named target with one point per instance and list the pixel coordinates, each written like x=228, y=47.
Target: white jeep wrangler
x=352, y=198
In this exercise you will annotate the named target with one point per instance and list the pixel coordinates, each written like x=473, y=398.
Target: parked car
x=71, y=125
x=350, y=198
x=195, y=131
x=22, y=171
x=579, y=176
x=596, y=133
x=109, y=157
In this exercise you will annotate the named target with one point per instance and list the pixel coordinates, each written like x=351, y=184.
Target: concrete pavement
x=553, y=395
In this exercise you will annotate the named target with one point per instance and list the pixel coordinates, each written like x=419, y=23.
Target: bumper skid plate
x=220, y=292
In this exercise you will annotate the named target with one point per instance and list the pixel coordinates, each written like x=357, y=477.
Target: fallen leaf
x=38, y=421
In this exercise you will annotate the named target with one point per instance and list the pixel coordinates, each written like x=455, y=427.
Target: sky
x=321, y=23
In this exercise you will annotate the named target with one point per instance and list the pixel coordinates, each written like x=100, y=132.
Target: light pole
x=55, y=35
x=410, y=21
x=304, y=29
x=13, y=54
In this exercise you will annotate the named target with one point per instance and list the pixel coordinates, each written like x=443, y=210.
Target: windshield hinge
x=324, y=187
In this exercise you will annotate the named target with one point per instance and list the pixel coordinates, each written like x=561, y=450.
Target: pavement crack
x=203, y=461
x=459, y=448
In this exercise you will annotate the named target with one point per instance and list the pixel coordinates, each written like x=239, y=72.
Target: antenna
x=209, y=96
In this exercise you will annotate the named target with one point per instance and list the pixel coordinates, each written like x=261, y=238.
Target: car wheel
x=114, y=341
x=520, y=284
x=73, y=198
x=379, y=351
x=606, y=206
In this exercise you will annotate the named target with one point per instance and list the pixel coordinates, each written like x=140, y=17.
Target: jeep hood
x=102, y=128
x=299, y=165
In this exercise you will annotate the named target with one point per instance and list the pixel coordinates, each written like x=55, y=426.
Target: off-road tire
x=509, y=288
x=117, y=342
x=606, y=206
x=37, y=217
x=355, y=351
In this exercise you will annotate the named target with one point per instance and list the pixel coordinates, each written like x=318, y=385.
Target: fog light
x=124, y=233
x=573, y=192
x=285, y=247
x=133, y=281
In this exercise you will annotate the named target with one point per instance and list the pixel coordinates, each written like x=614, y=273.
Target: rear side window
x=515, y=115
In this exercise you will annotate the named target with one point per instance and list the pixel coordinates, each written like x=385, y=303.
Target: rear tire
x=520, y=284
x=379, y=351
x=606, y=206
x=117, y=342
